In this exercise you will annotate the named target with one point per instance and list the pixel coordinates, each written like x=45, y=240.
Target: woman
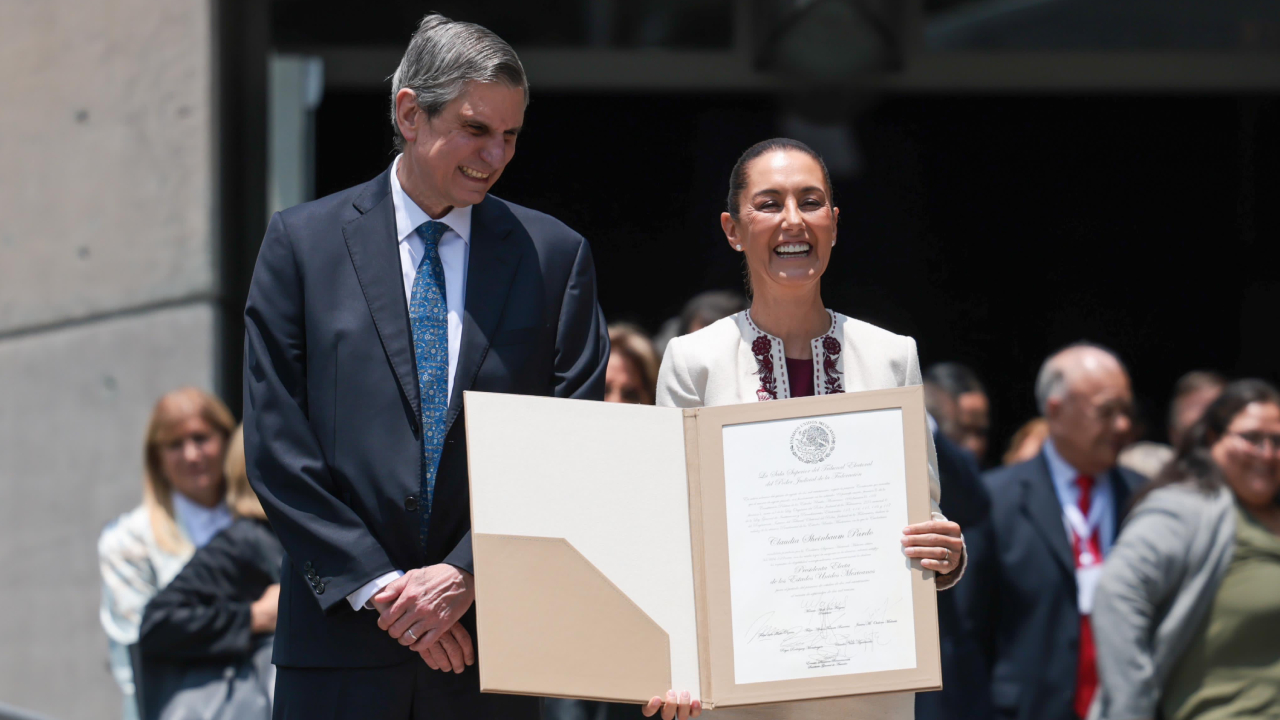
x=633, y=366
x=182, y=508
x=218, y=612
x=781, y=216
x=1187, y=612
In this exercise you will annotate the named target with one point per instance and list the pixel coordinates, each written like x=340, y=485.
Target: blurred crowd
x=1061, y=615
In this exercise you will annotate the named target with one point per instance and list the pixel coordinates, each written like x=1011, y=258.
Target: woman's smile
x=789, y=250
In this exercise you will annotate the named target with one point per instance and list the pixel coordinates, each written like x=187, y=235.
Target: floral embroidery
x=830, y=368
x=762, y=348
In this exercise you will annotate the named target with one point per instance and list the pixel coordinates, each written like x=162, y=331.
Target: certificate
x=817, y=575
x=746, y=553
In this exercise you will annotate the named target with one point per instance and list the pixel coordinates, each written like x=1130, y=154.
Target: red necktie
x=1086, y=668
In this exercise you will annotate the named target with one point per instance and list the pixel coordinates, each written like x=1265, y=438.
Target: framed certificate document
x=746, y=553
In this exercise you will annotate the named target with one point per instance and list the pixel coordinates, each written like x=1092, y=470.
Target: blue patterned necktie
x=429, y=317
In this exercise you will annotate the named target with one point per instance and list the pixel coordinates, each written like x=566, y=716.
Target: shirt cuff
x=360, y=598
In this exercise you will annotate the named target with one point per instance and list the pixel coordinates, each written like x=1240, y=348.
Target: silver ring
x=411, y=635
x=948, y=558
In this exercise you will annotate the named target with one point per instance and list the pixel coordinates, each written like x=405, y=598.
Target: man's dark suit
x=332, y=415
x=965, y=693
x=1021, y=591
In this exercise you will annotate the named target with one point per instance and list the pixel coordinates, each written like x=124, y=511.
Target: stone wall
x=108, y=289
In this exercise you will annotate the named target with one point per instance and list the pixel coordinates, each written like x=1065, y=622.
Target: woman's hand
x=263, y=611
x=937, y=544
x=677, y=705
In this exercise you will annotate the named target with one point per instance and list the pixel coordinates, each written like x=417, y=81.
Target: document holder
x=602, y=546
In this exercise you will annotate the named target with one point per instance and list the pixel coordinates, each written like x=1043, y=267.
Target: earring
x=739, y=247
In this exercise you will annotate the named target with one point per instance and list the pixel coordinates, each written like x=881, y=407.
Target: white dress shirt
x=1103, y=495
x=455, y=250
x=200, y=522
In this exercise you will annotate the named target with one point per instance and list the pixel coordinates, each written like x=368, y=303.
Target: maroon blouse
x=800, y=374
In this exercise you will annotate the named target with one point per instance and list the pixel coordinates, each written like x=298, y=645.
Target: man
x=370, y=312
x=1191, y=395
x=956, y=399
x=965, y=693
x=1053, y=520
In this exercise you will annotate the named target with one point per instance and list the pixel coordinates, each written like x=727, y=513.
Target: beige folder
x=601, y=549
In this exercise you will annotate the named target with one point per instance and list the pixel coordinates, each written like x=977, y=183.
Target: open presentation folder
x=746, y=553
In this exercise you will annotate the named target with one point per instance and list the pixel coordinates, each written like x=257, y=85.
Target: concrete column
x=108, y=298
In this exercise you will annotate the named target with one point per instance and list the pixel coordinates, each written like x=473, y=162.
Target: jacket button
x=320, y=589
x=411, y=503
x=307, y=566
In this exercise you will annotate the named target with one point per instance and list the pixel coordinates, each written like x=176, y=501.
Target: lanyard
x=1084, y=529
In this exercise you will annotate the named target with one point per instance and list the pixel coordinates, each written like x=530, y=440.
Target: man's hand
x=263, y=611
x=420, y=610
x=454, y=651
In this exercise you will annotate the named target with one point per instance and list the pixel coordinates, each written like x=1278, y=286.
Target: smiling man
x=370, y=312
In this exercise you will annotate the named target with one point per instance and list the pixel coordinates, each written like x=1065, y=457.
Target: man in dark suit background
x=370, y=312
x=966, y=687
x=1053, y=519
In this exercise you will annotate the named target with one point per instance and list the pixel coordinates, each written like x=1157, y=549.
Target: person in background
x=1053, y=520
x=1027, y=441
x=957, y=401
x=702, y=310
x=221, y=608
x=632, y=373
x=1191, y=395
x=966, y=684
x=1187, y=613
x=182, y=508
x=1145, y=457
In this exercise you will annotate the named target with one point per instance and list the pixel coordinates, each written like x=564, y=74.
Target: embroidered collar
x=771, y=363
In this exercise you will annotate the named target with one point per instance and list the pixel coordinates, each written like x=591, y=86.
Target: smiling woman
x=182, y=508
x=782, y=217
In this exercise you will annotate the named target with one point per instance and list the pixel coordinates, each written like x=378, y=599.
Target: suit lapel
x=1040, y=503
x=375, y=253
x=491, y=265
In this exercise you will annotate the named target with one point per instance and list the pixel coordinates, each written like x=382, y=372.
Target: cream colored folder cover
x=604, y=542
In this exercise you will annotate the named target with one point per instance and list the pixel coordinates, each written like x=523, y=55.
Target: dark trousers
x=410, y=691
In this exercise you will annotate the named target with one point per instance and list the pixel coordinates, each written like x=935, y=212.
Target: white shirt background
x=455, y=251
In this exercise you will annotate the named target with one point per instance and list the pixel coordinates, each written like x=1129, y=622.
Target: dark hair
x=708, y=307
x=738, y=176
x=1194, y=463
x=953, y=378
x=1198, y=380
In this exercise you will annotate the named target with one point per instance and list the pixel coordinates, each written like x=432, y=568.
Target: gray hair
x=1051, y=381
x=443, y=56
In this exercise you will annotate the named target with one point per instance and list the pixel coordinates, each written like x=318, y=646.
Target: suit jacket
x=202, y=618
x=1021, y=598
x=332, y=411
x=966, y=685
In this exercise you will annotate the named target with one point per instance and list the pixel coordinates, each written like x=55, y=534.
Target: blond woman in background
x=183, y=507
